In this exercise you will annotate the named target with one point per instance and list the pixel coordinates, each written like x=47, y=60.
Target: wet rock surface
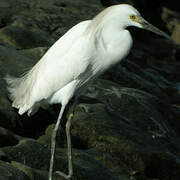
x=126, y=126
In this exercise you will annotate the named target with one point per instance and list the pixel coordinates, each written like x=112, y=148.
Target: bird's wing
x=62, y=63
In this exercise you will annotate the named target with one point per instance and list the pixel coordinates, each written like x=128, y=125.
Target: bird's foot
x=68, y=177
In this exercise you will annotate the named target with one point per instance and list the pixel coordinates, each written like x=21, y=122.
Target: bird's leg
x=53, y=141
x=69, y=148
x=68, y=135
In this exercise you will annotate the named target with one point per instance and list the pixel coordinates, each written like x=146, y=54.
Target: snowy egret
x=73, y=62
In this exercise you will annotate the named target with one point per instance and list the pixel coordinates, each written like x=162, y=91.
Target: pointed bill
x=146, y=25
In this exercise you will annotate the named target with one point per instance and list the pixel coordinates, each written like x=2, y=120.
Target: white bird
x=73, y=62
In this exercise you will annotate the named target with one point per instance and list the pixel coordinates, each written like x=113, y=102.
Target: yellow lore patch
x=134, y=17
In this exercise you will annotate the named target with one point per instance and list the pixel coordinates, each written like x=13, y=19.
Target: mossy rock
x=9, y=172
x=22, y=38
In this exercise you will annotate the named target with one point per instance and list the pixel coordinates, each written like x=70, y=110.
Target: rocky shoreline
x=126, y=126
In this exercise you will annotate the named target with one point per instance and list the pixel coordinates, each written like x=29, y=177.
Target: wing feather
x=61, y=64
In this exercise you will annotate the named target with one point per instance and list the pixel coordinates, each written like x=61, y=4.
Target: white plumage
x=51, y=73
x=76, y=59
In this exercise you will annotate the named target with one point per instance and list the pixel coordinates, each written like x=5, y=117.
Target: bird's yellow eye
x=133, y=17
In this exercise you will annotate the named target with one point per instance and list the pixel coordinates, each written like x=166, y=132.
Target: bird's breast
x=105, y=54
x=119, y=48
x=113, y=50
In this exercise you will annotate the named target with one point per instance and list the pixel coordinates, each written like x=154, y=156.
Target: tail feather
x=12, y=83
x=19, y=92
x=22, y=90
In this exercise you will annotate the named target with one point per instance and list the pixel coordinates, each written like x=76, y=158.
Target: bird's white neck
x=110, y=49
x=116, y=43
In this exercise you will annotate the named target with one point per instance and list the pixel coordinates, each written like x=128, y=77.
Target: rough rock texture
x=126, y=126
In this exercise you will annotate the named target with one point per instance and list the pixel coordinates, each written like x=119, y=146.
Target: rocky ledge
x=126, y=126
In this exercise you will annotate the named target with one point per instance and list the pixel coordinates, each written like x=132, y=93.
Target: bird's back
x=48, y=75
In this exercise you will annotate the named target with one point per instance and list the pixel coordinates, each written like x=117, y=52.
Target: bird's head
x=124, y=15
x=135, y=19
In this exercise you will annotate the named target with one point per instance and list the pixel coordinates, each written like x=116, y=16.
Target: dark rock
x=172, y=19
x=34, y=53
x=126, y=126
x=29, y=153
x=178, y=87
x=38, y=158
x=121, y=126
x=31, y=172
x=8, y=137
x=106, y=3
x=8, y=172
x=21, y=38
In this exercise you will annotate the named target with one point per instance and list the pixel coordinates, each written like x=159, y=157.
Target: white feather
x=75, y=60
x=52, y=72
x=84, y=52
